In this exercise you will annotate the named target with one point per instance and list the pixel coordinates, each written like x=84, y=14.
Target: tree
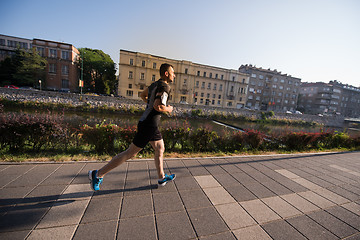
x=98, y=71
x=23, y=69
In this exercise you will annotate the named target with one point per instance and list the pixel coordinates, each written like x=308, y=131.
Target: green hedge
x=22, y=132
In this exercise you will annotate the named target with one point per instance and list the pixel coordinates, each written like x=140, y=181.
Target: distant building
x=194, y=83
x=9, y=44
x=269, y=90
x=61, y=72
x=329, y=98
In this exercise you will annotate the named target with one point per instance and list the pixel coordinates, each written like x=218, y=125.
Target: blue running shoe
x=167, y=178
x=94, y=180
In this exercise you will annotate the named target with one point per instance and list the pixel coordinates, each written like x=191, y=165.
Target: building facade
x=62, y=71
x=194, y=83
x=9, y=44
x=269, y=90
x=330, y=98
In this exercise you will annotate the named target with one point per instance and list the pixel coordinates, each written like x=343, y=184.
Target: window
x=130, y=74
x=209, y=86
x=52, y=53
x=65, y=55
x=142, y=76
x=208, y=95
x=219, y=102
x=232, y=89
x=253, y=75
x=65, y=83
x=213, y=102
x=131, y=61
x=251, y=89
x=258, y=98
x=222, y=77
x=153, y=78
x=203, y=85
x=129, y=93
x=282, y=80
x=204, y=74
x=281, y=87
x=142, y=87
x=186, y=71
x=289, y=82
x=2, y=42
x=241, y=90
x=182, y=99
x=219, y=97
x=130, y=85
x=214, y=95
x=275, y=79
x=41, y=51
x=198, y=73
x=250, y=97
x=233, y=78
x=143, y=63
x=261, y=76
x=215, y=85
x=65, y=70
x=220, y=88
x=52, y=68
x=197, y=84
x=202, y=95
x=216, y=75
x=185, y=81
x=154, y=65
x=210, y=75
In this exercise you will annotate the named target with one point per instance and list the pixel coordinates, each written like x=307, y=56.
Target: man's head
x=167, y=72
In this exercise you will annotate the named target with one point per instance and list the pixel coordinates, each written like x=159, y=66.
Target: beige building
x=194, y=83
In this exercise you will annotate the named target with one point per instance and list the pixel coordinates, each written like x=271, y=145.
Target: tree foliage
x=98, y=71
x=24, y=68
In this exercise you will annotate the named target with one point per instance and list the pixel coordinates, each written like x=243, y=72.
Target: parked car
x=298, y=112
x=11, y=86
x=288, y=112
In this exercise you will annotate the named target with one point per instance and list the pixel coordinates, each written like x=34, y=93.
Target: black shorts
x=146, y=134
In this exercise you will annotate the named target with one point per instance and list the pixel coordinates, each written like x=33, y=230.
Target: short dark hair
x=164, y=67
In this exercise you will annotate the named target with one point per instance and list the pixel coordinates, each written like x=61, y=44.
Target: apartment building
x=330, y=98
x=9, y=44
x=194, y=83
x=270, y=90
x=62, y=71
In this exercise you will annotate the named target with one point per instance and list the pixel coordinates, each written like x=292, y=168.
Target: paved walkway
x=307, y=196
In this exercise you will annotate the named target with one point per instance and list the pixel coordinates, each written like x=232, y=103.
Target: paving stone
x=331, y=196
x=320, y=182
x=332, y=224
x=207, y=221
x=354, y=237
x=243, y=178
x=83, y=176
x=259, y=211
x=310, y=229
x=222, y=236
x=235, y=216
x=186, y=183
x=64, y=174
x=259, y=190
x=194, y=199
x=175, y=225
x=287, y=173
x=344, y=193
x=64, y=212
x=281, y=207
x=96, y=230
x=12, y=173
x=77, y=192
x=240, y=193
x=306, y=183
x=346, y=216
x=300, y=203
x=65, y=232
x=281, y=230
x=11, y=196
x=18, y=235
x=135, y=206
x=352, y=207
x=110, y=189
x=207, y=181
x=44, y=193
x=137, y=228
x=140, y=187
x=23, y=217
x=276, y=188
x=167, y=202
x=226, y=180
x=316, y=199
x=218, y=195
x=102, y=210
x=251, y=233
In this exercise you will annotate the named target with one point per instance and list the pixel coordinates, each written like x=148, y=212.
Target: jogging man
x=156, y=96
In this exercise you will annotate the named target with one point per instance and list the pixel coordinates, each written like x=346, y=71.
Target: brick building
x=269, y=90
x=9, y=44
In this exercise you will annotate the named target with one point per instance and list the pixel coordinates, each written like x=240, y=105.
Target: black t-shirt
x=151, y=117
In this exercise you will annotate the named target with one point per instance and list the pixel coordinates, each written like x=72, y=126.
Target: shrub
x=254, y=139
x=203, y=140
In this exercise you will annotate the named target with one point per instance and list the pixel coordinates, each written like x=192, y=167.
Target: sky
x=315, y=40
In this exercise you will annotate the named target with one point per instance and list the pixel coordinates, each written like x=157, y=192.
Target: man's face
x=170, y=75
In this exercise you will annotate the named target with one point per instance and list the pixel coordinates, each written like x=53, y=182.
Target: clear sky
x=315, y=40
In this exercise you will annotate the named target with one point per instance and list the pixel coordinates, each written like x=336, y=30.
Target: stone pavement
x=303, y=196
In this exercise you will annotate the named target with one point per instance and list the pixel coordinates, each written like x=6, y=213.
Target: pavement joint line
x=345, y=170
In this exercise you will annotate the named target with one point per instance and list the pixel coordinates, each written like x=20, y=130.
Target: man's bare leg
x=119, y=159
x=159, y=149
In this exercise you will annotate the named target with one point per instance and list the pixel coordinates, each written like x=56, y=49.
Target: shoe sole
x=90, y=179
x=164, y=183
